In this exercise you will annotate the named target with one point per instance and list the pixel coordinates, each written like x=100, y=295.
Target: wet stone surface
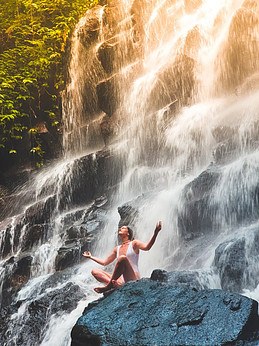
x=30, y=329
x=150, y=312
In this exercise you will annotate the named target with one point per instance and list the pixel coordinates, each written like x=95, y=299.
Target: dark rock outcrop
x=236, y=261
x=196, y=214
x=85, y=229
x=128, y=214
x=240, y=52
x=199, y=211
x=39, y=311
x=89, y=32
x=33, y=235
x=41, y=212
x=68, y=255
x=190, y=279
x=93, y=175
x=130, y=211
x=230, y=260
x=146, y=312
x=16, y=273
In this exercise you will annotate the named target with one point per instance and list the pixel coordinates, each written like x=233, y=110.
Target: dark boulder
x=129, y=211
x=236, y=261
x=146, y=312
x=196, y=213
x=68, y=255
x=128, y=214
x=92, y=175
x=191, y=279
x=230, y=261
x=71, y=252
x=16, y=273
x=87, y=224
x=21, y=271
x=76, y=233
x=30, y=328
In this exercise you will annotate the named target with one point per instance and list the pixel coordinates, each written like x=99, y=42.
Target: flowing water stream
x=183, y=99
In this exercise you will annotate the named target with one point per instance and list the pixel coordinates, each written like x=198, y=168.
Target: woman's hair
x=130, y=233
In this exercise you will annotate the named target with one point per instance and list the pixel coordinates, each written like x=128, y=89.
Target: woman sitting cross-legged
x=126, y=267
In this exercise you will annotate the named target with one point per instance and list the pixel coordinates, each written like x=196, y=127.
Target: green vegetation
x=33, y=38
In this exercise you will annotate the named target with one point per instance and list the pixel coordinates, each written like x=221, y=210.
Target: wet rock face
x=10, y=235
x=128, y=214
x=89, y=32
x=236, y=261
x=16, y=274
x=68, y=255
x=31, y=327
x=200, y=211
x=230, y=260
x=147, y=312
x=241, y=50
x=93, y=175
x=109, y=128
x=82, y=234
x=130, y=211
x=118, y=61
x=197, y=213
x=109, y=90
x=33, y=235
x=190, y=279
x=41, y=211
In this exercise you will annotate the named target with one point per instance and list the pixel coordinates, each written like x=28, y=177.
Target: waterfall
x=161, y=112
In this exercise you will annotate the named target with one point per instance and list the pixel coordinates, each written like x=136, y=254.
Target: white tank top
x=132, y=257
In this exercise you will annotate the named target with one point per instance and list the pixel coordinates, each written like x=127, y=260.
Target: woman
x=126, y=268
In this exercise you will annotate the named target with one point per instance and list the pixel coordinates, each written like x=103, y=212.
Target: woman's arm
x=105, y=262
x=139, y=245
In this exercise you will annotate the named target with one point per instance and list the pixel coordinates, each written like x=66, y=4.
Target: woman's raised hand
x=158, y=227
x=87, y=254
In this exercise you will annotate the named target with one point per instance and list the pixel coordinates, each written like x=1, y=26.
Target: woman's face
x=123, y=231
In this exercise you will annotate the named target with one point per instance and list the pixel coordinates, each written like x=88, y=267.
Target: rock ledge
x=149, y=312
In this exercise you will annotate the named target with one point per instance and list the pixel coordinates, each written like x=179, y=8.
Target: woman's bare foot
x=116, y=284
x=100, y=289
x=111, y=284
x=103, y=288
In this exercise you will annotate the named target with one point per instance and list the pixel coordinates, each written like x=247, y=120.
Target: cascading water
x=170, y=90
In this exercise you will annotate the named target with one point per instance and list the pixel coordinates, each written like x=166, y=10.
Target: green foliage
x=33, y=38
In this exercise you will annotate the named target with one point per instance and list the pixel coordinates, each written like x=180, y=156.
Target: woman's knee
x=122, y=258
x=95, y=271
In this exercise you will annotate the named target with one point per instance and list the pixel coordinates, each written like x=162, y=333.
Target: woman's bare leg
x=101, y=276
x=122, y=267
